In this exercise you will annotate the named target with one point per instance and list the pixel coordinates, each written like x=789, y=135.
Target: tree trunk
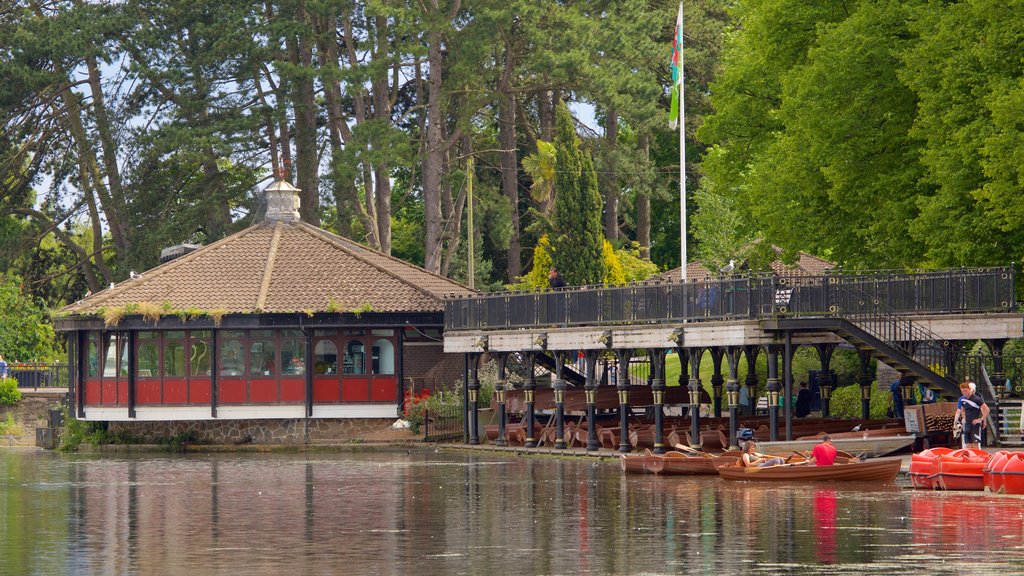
x=432, y=166
x=300, y=53
x=611, y=179
x=643, y=204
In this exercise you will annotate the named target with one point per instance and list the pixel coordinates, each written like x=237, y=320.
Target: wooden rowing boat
x=871, y=447
x=881, y=470
x=636, y=463
x=685, y=464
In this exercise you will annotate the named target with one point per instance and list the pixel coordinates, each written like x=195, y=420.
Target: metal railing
x=39, y=374
x=443, y=423
x=753, y=296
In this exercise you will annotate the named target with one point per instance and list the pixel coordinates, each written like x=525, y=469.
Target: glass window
x=122, y=345
x=174, y=358
x=93, y=355
x=232, y=360
x=149, y=359
x=352, y=332
x=383, y=357
x=292, y=334
x=261, y=357
x=199, y=354
x=293, y=357
x=174, y=335
x=261, y=334
x=355, y=357
x=232, y=334
x=325, y=332
x=325, y=357
x=109, y=356
x=382, y=332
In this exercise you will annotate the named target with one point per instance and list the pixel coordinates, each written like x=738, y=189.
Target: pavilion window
x=262, y=353
x=199, y=353
x=293, y=353
x=325, y=357
x=383, y=357
x=93, y=355
x=174, y=354
x=232, y=356
x=149, y=355
x=122, y=345
x=355, y=357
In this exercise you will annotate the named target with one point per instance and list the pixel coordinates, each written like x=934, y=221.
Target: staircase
x=1008, y=421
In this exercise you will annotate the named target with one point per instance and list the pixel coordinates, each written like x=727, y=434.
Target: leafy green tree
x=25, y=333
x=578, y=243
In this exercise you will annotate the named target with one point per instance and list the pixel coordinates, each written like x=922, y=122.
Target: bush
x=9, y=427
x=9, y=393
x=845, y=402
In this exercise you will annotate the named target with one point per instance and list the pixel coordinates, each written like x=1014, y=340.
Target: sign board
x=914, y=420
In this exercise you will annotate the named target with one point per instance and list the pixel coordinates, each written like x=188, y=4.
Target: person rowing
x=752, y=459
x=824, y=454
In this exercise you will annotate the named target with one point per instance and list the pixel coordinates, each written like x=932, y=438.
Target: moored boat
x=639, y=463
x=921, y=467
x=878, y=470
x=868, y=447
x=959, y=470
x=685, y=464
x=1013, y=474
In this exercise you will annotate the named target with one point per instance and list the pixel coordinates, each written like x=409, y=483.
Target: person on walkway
x=803, y=401
x=555, y=279
x=3, y=367
x=824, y=454
x=975, y=413
x=752, y=459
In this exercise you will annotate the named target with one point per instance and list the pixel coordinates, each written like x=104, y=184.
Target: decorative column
x=995, y=346
x=529, y=389
x=623, y=355
x=717, y=380
x=825, y=376
x=590, y=390
x=501, y=396
x=787, y=382
x=558, y=385
x=773, y=391
x=864, y=378
x=657, y=356
x=474, y=395
x=751, y=353
x=695, y=387
x=732, y=389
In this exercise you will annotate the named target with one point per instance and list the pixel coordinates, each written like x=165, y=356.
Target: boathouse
x=282, y=332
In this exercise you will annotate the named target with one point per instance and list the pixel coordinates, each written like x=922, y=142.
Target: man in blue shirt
x=3, y=367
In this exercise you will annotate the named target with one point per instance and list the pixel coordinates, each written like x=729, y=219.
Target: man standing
x=824, y=454
x=975, y=413
x=3, y=367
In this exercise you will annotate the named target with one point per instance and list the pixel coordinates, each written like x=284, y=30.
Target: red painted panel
x=326, y=390
x=92, y=393
x=122, y=392
x=147, y=392
x=384, y=389
x=109, y=394
x=231, y=391
x=293, y=390
x=175, y=391
x=355, y=389
x=263, y=390
x=198, y=391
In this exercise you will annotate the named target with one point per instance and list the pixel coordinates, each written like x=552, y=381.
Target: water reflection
x=436, y=513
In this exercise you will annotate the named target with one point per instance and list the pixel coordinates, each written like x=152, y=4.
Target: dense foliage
x=25, y=333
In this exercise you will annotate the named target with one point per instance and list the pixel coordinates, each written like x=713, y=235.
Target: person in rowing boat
x=752, y=459
x=824, y=454
x=974, y=412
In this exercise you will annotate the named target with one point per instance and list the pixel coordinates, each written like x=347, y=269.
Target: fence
x=443, y=423
x=39, y=374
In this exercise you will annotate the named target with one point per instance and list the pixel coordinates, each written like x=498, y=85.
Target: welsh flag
x=677, y=71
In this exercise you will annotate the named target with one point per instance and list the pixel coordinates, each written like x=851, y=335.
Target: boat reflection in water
x=427, y=512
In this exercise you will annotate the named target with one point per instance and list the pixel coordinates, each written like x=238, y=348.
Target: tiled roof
x=282, y=267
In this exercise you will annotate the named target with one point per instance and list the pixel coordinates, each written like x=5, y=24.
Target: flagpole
x=682, y=150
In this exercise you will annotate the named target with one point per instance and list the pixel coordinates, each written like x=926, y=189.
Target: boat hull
x=884, y=470
x=678, y=463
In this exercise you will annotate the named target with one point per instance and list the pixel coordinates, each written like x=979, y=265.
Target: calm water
x=453, y=513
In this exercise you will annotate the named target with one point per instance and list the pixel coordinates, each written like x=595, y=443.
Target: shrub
x=11, y=428
x=9, y=393
x=845, y=402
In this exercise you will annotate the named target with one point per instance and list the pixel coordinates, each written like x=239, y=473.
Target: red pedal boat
x=959, y=470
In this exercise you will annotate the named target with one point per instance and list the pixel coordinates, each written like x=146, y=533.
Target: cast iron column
x=717, y=380
x=732, y=388
x=590, y=389
x=865, y=379
x=474, y=394
x=751, y=353
x=787, y=380
x=995, y=346
x=558, y=385
x=501, y=394
x=657, y=356
x=825, y=376
x=622, y=386
x=529, y=388
x=695, y=388
x=773, y=391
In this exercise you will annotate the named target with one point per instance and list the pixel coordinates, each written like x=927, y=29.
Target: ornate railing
x=39, y=374
x=753, y=296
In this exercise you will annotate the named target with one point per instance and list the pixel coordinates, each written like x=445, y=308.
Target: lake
x=453, y=512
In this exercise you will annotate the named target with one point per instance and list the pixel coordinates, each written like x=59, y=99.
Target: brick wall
x=427, y=363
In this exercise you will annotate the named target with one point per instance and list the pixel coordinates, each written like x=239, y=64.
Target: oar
x=685, y=448
x=753, y=469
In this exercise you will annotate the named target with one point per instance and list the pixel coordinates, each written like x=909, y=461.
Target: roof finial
x=282, y=201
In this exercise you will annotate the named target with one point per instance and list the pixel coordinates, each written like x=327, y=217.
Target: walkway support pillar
x=865, y=379
x=751, y=353
x=773, y=391
x=474, y=394
x=695, y=388
x=590, y=389
x=825, y=376
x=558, y=385
x=529, y=389
x=501, y=396
x=787, y=380
x=657, y=356
x=623, y=355
x=732, y=390
x=717, y=380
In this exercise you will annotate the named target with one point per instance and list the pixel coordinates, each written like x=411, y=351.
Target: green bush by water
x=9, y=393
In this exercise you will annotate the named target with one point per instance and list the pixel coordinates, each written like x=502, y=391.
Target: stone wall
x=28, y=414
x=281, y=432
